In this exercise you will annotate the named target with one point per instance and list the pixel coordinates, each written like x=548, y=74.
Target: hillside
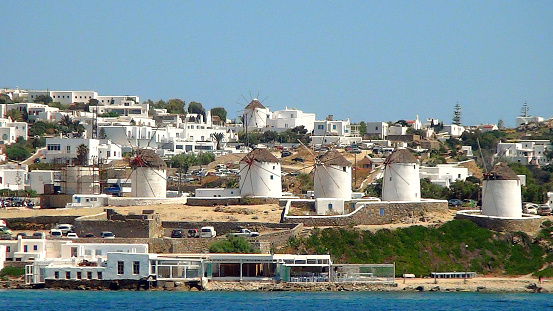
x=457, y=245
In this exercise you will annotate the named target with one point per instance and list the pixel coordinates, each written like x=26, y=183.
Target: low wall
x=128, y=228
x=530, y=224
x=193, y=201
x=38, y=222
x=162, y=245
x=55, y=200
x=127, y=201
x=223, y=227
x=373, y=213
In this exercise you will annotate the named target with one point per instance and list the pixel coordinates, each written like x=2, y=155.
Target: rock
x=481, y=288
x=435, y=289
x=419, y=288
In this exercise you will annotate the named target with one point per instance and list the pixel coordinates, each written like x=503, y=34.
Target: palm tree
x=65, y=121
x=218, y=137
x=82, y=155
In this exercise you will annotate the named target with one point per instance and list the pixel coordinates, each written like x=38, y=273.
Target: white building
x=337, y=132
x=44, y=181
x=401, y=177
x=11, y=130
x=290, y=118
x=149, y=175
x=454, y=130
x=14, y=176
x=378, y=129
x=525, y=151
x=521, y=120
x=444, y=174
x=65, y=150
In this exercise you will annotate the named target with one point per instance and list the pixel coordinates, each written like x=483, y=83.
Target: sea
x=305, y=301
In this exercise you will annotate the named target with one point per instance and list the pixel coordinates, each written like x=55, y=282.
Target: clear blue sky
x=372, y=61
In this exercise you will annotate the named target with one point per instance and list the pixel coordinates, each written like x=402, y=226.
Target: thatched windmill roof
x=147, y=158
x=501, y=171
x=333, y=157
x=401, y=156
x=260, y=155
x=254, y=104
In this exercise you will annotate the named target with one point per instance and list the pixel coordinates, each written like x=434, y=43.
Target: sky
x=363, y=60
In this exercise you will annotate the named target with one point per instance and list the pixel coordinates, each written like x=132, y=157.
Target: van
x=56, y=233
x=207, y=232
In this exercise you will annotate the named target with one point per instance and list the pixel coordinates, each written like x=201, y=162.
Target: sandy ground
x=168, y=212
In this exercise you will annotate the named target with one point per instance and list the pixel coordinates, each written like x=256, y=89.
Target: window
x=376, y=128
x=109, y=153
x=381, y=212
x=136, y=267
x=67, y=275
x=54, y=147
x=56, y=274
x=334, y=126
x=320, y=127
x=35, y=247
x=89, y=275
x=100, y=275
x=274, y=167
x=329, y=205
x=272, y=177
x=115, y=153
x=344, y=168
x=25, y=248
x=8, y=248
x=120, y=267
x=68, y=148
x=79, y=275
x=458, y=175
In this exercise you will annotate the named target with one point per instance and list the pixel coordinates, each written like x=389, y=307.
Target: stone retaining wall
x=223, y=227
x=127, y=201
x=193, y=201
x=528, y=225
x=129, y=228
x=375, y=213
x=38, y=222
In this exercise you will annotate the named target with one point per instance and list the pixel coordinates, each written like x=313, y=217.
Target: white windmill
x=401, y=181
x=148, y=175
x=255, y=114
x=332, y=176
x=260, y=174
x=501, y=196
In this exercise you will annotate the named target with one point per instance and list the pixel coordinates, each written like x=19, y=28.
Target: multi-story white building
x=521, y=120
x=525, y=151
x=65, y=150
x=378, y=129
x=454, y=130
x=10, y=130
x=290, y=118
x=14, y=176
x=444, y=174
x=337, y=132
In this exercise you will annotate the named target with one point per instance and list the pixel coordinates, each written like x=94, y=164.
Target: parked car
x=107, y=235
x=72, y=235
x=208, y=232
x=38, y=235
x=193, y=233
x=245, y=233
x=21, y=234
x=285, y=153
x=65, y=228
x=177, y=233
x=530, y=208
x=455, y=202
x=56, y=233
x=354, y=150
x=298, y=159
x=544, y=210
x=89, y=235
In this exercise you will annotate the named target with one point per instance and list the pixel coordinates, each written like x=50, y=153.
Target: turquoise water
x=335, y=301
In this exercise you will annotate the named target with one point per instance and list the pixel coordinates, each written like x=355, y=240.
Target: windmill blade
x=320, y=181
x=149, y=185
x=482, y=156
x=263, y=99
x=244, y=98
x=399, y=175
x=257, y=165
x=158, y=174
x=332, y=178
x=240, y=172
x=312, y=153
x=245, y=177
x=261, y=181
x=251, y=184
x=251, y=96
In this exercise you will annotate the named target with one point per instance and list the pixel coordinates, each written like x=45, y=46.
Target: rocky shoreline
x=492, y=285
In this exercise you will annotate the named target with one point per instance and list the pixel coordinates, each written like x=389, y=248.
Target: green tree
x=43, y=99
x=15, y=115
x=175, y=106
x=374, y=189
x=195, y=107
x=17, y=152
x=205, y=158
x=233, y=245
x=457, y=114
x=82, y=155
x=218, y=137
x=362, y=128
x=218, y=111
x=5, y=99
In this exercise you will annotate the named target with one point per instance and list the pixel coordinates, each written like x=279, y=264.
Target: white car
x=65, y=228
x=56, y=233
x=207, y=232
x=72, y=235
